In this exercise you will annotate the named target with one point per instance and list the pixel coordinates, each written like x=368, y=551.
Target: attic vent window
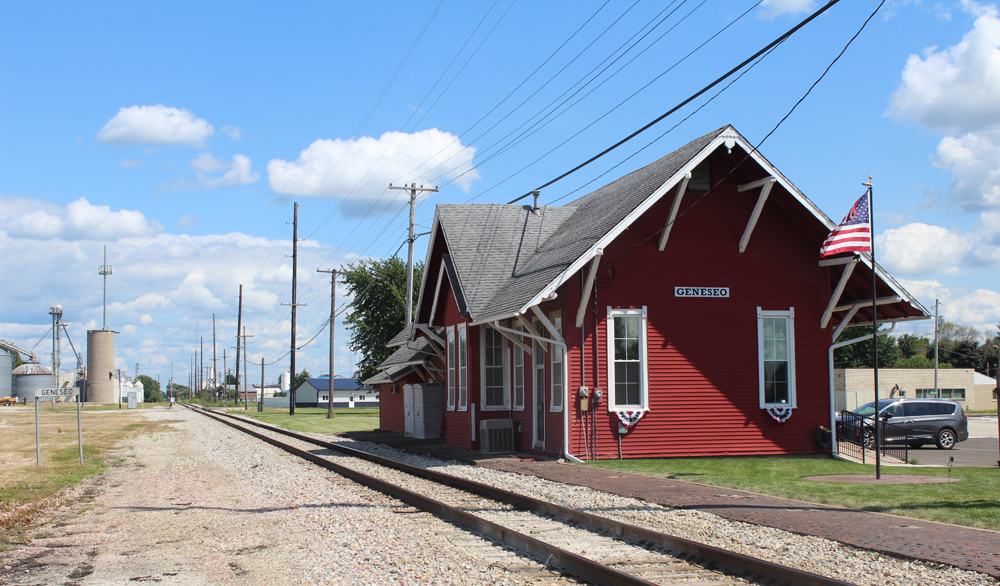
x=701, y=177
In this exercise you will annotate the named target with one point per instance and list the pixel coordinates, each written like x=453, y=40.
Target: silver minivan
x=926, y=421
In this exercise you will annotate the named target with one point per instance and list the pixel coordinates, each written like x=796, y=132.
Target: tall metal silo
x=28, y=377
x=6, y=376
x=101, y=385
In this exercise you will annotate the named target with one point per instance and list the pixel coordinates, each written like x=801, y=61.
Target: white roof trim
x=427, y=260
x=729, y=136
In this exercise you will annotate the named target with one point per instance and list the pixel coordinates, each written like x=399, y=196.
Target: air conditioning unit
x=496, y=435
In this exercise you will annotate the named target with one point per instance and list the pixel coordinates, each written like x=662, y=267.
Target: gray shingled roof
x=402, y=337
x=389, y=375
x=409, y=353
x=505, y=255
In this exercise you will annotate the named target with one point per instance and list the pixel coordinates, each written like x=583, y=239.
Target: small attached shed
x=681, y=310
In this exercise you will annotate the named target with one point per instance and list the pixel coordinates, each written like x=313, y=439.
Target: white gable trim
x=423, y=276
x=728, y=137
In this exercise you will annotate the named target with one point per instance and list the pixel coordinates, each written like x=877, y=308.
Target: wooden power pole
x=333, y=310
x=239, y=323
x=413, y=189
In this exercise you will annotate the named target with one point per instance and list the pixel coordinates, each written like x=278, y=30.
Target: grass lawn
x=975, y=501
x=27, y=490
x=313, y=419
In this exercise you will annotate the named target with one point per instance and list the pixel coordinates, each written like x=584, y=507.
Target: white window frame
x=643, y=359
x=556, y=390
x=789, y=316
x=463, y=368
x=518, y=379
x=452, y=373
x=505, y=406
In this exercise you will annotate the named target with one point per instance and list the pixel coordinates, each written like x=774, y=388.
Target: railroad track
x=572, y=545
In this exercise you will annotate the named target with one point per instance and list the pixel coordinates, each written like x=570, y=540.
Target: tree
x=915, y=361
x=301, y=378
x=379, y=308
x=179, y=391
x=860, y=355
x=230, y=379
x=910, y=345
x=150, y=389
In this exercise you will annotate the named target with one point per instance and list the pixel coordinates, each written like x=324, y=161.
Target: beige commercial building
x=854, y=386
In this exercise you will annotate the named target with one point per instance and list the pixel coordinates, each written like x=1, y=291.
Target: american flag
x=853, y=234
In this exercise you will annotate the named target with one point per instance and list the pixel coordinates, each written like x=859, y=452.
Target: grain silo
x=101, y=385
x=28, y=377
x=6, y=376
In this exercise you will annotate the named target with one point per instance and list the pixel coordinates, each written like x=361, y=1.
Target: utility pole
x=170, y=383
x=260, y=399
x=201, y=368
x=215, y=372
x=247, y=377
x=294, y=304
x=137, y=371
x=333, y=309
x=239, y=323
x=413, y=189
x=225, y=375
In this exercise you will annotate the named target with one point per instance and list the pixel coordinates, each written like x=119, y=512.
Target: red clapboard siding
x=703, y=365
x=390, y=414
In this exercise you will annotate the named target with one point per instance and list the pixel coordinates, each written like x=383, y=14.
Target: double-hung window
x=627, y=360
x=557, y=369
x=494, y=392
x=776, y=354
x=451, y=368
x=519, y=372
x=463, y=368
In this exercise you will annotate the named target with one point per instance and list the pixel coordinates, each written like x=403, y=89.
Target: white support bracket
x=765, y=185
x=430, y=334
x=437, y=291
x=511, y=337
x=868, y=303
x=835, y=298
x=847, y=319
x=548, y=325
x=588, y=287
x=681, y=189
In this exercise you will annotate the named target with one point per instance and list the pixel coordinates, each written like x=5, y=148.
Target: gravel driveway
x=203, y=505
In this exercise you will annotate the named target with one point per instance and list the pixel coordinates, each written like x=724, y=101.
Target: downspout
x=833, y=399
x=565, y=367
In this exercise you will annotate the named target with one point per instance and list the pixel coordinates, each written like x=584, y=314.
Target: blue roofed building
x=347, y=392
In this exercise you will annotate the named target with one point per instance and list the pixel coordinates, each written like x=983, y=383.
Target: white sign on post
x=55, y=393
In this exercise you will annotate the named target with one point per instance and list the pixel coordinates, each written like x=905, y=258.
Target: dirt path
x=133, y=525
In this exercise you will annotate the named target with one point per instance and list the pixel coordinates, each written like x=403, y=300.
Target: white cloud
x=363, y=168
x=155, y=125
x=979, y=308
x=130, y=163
x=186, y=222
x=954, y=90
x=919, y=249
x=239, y=172
x=162, y=283
x=233, y=132
x=79, y=220
x=775, y=8
x=974, y=162
x=957, y=91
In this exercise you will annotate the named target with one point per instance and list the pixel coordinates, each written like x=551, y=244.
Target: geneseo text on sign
x=701, y=291
x=52, y=393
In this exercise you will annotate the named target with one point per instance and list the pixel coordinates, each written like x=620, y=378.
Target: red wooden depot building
x=681, y=310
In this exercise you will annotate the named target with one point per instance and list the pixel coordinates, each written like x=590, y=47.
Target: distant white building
x=347, y=392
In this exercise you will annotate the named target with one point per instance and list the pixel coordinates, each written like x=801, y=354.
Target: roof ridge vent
x=533, y=208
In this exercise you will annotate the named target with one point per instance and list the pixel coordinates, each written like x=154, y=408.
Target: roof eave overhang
x=729, y=134
x=728, y=137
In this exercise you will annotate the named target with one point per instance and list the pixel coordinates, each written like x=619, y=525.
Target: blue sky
x=179, y=135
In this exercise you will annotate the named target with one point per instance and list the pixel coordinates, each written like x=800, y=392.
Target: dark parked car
x=923, y=421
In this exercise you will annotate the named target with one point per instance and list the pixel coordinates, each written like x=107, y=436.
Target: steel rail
x=706, y=555
x=550, y=555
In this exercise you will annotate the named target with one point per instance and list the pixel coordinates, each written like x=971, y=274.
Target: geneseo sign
x=701, y=291
x=53, y=393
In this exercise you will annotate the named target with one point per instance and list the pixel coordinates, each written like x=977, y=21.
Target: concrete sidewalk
x=962, y=547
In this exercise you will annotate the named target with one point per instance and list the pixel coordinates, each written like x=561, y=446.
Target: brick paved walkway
x=962, y=547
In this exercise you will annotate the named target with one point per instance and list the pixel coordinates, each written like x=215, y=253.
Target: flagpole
x=878, y=425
